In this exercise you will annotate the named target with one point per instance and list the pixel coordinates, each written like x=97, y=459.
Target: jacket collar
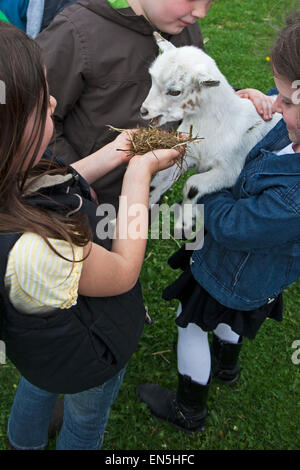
x=36, y=184
x=276, y=139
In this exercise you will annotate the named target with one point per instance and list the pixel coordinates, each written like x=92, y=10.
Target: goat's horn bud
x=162, y=43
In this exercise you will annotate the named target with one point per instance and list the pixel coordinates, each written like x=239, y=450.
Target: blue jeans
x=85, y=416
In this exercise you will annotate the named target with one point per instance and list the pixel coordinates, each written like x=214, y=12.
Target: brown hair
x=285, y=53
x=22, y=72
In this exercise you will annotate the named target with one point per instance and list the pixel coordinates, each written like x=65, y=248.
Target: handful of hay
x=151, y=138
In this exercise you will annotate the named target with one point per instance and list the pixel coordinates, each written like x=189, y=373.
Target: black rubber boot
x=185, y=409
x=224, y=360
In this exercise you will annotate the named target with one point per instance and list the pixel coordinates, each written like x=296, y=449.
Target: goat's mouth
x=155, y=122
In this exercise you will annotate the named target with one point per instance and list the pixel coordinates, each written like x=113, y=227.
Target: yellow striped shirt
x=37, y=279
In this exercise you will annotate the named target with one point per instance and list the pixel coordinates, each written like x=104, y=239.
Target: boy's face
x=171, y=16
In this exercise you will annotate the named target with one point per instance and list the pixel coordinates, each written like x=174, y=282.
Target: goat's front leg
x=196, y=186
x=163, y=180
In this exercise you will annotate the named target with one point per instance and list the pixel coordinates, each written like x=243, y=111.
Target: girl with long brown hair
x=72, y=310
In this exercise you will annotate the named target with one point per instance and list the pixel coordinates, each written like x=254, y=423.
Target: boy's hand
x=262, y=102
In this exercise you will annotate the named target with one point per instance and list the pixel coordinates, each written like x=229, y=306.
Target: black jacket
x=71, y=350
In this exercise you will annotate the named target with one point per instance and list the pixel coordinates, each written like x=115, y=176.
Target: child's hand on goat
x=262, y=102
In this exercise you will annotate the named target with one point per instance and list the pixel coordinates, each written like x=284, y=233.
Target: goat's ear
x=209, y=83
x=204, y=79
x=162, y=43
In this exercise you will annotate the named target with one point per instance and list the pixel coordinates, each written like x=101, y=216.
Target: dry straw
x=148, y=139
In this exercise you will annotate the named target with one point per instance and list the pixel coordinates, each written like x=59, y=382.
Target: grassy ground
x=263, y=410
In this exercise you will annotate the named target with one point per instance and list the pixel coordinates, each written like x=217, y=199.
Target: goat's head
x=180, y=77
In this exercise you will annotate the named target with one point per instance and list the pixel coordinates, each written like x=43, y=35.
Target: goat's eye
x=173, y=92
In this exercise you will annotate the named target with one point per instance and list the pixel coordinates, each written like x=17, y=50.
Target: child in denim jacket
x=251, y=253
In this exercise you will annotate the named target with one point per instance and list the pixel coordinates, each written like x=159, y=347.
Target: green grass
x=263, y=410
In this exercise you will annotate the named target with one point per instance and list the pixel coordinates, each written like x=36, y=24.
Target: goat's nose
x=143, y=112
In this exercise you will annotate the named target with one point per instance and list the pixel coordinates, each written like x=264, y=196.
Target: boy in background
x=97, y=55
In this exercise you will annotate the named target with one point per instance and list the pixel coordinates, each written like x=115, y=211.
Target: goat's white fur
x=230, y=125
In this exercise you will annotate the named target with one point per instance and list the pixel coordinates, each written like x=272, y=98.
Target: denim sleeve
x=256, y=223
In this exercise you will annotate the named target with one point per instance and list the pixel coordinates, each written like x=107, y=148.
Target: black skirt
x=199, y=307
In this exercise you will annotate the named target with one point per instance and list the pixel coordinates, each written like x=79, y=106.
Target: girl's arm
x=105, y=159
x=106, y=273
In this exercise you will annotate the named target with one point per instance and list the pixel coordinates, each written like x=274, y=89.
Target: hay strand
x=151, y=138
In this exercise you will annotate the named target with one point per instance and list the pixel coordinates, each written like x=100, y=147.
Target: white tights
x=193, y=354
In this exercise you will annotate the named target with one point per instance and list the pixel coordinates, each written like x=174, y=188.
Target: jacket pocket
x=232, y=265
x=240, y=268
x=261, y=277
x=225, y=266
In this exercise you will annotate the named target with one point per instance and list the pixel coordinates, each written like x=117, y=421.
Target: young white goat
x=187, y=85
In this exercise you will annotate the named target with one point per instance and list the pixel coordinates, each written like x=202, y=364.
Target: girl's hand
x=158, y=160
x=262, y=102
x=121, y=146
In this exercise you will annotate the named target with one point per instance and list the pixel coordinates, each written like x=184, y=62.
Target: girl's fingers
x=243, y=94
x=167, y=158
x=266, y=111
x=262, y=103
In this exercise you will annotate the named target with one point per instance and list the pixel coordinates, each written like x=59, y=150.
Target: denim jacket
x=251, y=251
